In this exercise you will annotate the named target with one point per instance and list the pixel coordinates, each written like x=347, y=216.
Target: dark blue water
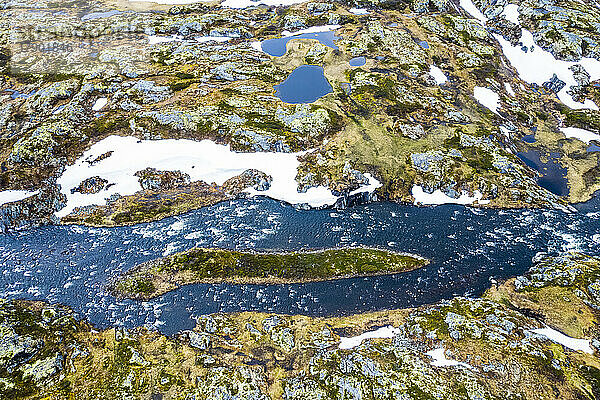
x=528, y=138
x=554, y=176
x=305, y=84
x=593, y=148
x=357, y=61
x=278, y=47
x=468, y=247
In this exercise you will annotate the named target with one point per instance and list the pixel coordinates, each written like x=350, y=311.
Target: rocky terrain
x=505, y=345
x=441, y=108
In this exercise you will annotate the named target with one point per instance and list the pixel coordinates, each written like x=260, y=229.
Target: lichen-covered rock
x=91, y=185
x=152, y=179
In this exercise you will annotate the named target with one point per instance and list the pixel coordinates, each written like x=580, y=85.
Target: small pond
x=278, y=47
x=357, y=61
x=554, y=176
x=305, y=84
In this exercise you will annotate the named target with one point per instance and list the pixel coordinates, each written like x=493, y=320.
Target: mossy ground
x=217, y=265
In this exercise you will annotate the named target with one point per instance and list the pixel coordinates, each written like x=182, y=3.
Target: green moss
x=198, y=265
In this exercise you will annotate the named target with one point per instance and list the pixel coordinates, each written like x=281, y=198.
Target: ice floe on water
x=9, y=196
x=438, y=75
x=487, y=98
x=203, y=160
x=385, y=332
x=567, y=341
x=536, y=65
x=582, y=134
x=440, y=360
x=438, y=197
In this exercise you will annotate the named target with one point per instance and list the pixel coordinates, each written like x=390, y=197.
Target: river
x=468, y=247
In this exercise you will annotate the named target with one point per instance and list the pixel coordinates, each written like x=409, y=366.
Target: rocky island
x=197, y=265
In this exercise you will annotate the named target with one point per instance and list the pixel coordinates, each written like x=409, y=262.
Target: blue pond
x=554, y=176
x=305, y=84
x=278, y=47
x=357, y=61
x=593, y=148
x=528, y=138
x=423, y=44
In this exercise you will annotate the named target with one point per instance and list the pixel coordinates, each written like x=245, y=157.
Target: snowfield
x=386, y=332
x=203, y=160
x=438, y=197
x=9, y=196
x=567, y=341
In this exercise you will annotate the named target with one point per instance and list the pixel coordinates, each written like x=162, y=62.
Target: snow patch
x=312, y=29
x=469, y=7
x=438, y=197
x=204, y=160
x=511, y=13
x=440, y=360
x=370, y=187
x=386, y=332
x=538, y=66
x=219, y=39
x=99, y=104
x=509, y=89
x=358, y=11
x=155, y=39
x=567, y=341
x=10, y=196
x=582, y=134
x=487, y=98
x=438, y=75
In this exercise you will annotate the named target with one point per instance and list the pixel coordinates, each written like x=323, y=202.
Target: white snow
x=154, y=39
x=257, y=46
x=538, y=66
x=509, y=89
x=203, y=160
x=511, y=13
x=567, y=341
x=312, y=29
x=438, y=75
x=487, y=98
x=505, y=131
x=219, y=39
x=582, y=134
x=9, y=196
x=386, y=332
x=358, y=11
x=469, y=7
x=370, y=187
x=438, y=197
x=440, y=360
x=99, y=104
